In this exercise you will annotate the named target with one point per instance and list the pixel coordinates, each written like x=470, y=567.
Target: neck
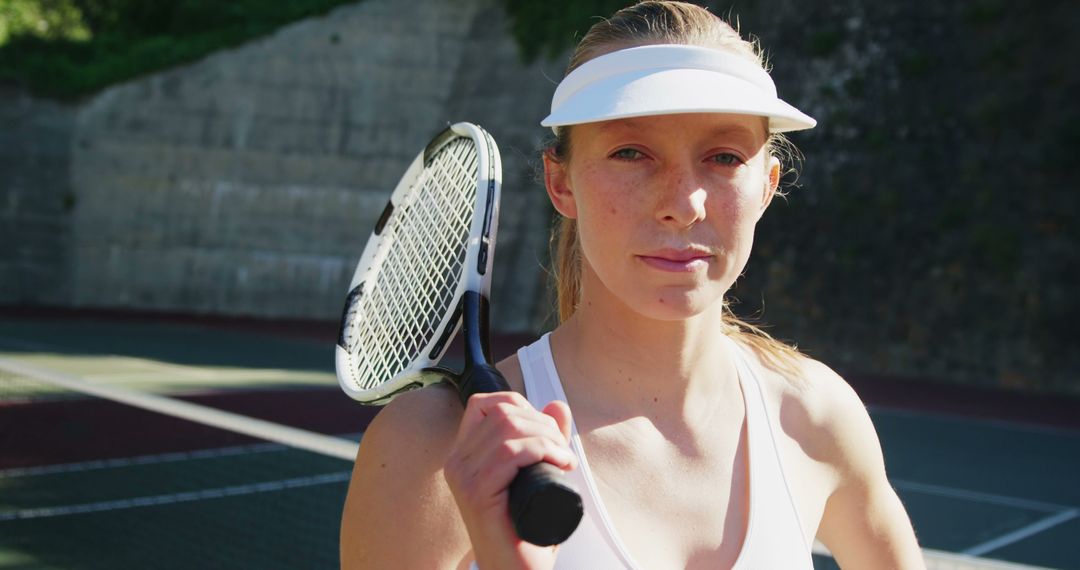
x=671, y=370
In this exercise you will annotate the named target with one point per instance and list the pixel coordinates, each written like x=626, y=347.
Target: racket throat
x=479, y=375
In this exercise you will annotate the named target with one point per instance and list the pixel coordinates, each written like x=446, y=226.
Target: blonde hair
x=658, y=22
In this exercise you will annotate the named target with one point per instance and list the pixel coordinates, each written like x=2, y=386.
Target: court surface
x=95, y=484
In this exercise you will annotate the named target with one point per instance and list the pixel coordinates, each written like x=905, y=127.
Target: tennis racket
x=425, y=273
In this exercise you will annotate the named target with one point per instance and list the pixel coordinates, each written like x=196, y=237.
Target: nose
x=681, y=197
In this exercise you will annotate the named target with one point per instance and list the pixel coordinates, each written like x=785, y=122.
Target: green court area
x=87, y=483
x=170, y=358
x=251, y=509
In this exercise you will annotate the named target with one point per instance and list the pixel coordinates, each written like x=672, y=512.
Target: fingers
x=499, y=434
x=560, y=412
x=505, y=428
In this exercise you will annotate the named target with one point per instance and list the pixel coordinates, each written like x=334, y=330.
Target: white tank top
x=774, y=536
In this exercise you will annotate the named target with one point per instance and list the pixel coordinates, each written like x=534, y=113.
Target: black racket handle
x=544, y=509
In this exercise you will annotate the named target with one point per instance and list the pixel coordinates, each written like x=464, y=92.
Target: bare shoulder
x=416, y=427
x=439, y=400
x=862, y=521
x=398, y=488
x=820, y=410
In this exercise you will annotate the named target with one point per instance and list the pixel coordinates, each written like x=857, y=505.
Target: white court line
x=189, y=371
x=979, y=497
x=261, y=429
x=154, y=459
x=145, y=375
x=151, y=459
x=157, y=500
x=1059, y=513
x=1022, y=533
x=942, y=560
x=205, y=374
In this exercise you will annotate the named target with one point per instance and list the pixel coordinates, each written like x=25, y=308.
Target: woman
x=696, y=441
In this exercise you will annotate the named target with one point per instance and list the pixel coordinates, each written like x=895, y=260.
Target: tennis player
x=696, y=441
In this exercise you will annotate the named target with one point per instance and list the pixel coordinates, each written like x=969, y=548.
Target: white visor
x=669, y=79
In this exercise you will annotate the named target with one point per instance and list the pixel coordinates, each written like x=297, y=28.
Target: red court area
x=72, y=430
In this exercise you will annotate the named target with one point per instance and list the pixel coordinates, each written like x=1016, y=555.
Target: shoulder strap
x=538, y=373
x=772, y=501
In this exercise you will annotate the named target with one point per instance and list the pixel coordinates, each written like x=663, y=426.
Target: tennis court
x=86, y=482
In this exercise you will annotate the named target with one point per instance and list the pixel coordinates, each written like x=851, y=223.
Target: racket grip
x=544, y=510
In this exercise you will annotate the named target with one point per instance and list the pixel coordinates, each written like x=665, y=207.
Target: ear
x=772, y=182
x=557, y=182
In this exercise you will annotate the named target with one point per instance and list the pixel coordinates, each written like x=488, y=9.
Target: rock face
x=932, y=231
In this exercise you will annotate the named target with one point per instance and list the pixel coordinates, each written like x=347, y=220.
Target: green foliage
x=45, y=19
x=983, y=12
x=824, y=42
x=549, y=28
x=85, y=45
x=916, y=64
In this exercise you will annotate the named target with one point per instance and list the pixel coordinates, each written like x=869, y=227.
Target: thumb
x=561, y=412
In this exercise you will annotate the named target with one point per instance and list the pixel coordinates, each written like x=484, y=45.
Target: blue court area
x=87, y=483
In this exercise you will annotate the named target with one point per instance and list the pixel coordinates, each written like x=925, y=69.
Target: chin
x=669, y=305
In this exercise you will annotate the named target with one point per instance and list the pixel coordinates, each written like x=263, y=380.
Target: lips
x=677, y=260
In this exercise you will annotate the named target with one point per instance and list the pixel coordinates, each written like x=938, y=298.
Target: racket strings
x=413, y=289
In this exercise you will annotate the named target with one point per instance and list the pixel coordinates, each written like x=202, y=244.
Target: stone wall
x=247, y=183
x=36, y=200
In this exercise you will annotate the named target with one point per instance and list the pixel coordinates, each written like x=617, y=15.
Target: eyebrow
x=734, y=130
x=722, y=130
x=742, y=130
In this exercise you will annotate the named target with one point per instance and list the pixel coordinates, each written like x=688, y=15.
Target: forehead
x=747, y=129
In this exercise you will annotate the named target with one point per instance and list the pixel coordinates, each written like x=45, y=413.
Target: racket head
x=434, y=241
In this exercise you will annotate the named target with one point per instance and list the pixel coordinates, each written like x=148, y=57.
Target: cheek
x=744, y=206
x=733, y=211
x=743, y=209
x=605, y=199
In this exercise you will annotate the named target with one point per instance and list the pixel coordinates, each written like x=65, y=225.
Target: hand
x=499, y=434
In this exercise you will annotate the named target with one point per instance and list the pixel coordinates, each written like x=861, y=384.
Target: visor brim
x=674, y=91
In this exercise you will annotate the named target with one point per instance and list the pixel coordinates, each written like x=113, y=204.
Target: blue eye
x=627, y=154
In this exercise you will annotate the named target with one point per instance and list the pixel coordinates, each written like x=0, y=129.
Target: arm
x=428, y=478
x=864, y=523
x=399, y=512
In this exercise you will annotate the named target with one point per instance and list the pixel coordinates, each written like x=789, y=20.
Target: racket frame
x=475, y=277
